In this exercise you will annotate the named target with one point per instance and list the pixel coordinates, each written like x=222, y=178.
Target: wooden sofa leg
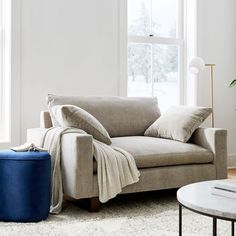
x=94, y=204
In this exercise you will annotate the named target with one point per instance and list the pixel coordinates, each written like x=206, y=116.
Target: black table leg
x=180, y=220
x=232, y=229
x=214, y=226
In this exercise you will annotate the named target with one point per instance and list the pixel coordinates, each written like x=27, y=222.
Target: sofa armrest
x=77, y=165
x=215, y=140
x=35, y=135
x=45, y=119
x=76, y=161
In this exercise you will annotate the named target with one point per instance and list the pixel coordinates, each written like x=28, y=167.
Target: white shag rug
x=153, y=213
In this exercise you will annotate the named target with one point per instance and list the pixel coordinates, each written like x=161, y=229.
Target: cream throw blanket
x=116, y=168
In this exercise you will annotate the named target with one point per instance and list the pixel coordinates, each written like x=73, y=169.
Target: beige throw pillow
x=178, y=123
x=73, y=116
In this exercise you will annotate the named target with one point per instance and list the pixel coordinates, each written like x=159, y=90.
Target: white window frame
x=186, y=41
x=5, y=69
x=11, y=87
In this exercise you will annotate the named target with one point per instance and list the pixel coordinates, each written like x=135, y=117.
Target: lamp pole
x=212, y=93
x=196, y=65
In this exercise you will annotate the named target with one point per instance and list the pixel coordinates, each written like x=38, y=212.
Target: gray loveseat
x=163, y=163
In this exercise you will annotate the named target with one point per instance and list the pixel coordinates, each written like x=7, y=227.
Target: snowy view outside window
x=153, y=66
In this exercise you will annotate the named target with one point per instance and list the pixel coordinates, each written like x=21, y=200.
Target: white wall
x=216, y=44
x=72, y=47
x=69, y=47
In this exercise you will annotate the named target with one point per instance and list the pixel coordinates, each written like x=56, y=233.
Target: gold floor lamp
x=196, y=65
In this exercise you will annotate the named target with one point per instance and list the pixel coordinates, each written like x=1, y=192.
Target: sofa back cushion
x=121, y=116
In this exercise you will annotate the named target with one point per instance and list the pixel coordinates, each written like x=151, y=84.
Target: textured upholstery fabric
x=73, y=116
x=154, y=152
x=214, y=140
x=167, y=177
x=80, y=182
x=76, y=161
x=45, y=119
x=121, y=116
x=25, y=186
x=77, y=165
x=35, y=135
x=178, y=123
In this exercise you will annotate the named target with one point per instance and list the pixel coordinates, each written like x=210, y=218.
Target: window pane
x=157, y=17
x=139, y=70
x=139, y=17
x=166, y=75
x=164, y=18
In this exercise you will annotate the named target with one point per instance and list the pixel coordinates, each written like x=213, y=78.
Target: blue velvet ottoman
x=25, y=186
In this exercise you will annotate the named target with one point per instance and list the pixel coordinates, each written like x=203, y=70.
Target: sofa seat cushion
x=154, y=152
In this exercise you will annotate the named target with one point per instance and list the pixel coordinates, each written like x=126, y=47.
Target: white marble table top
x=198, y=197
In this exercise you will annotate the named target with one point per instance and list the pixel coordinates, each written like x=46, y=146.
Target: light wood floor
x=232, y=173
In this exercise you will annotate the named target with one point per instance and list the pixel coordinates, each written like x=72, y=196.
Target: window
x=155, y=51
x=5, y=70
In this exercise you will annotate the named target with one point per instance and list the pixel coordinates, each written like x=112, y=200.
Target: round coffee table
x=197, y=197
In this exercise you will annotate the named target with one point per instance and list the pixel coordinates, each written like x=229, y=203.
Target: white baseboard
x=231, y=160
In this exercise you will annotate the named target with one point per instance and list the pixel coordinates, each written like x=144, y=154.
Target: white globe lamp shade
x=196, y=65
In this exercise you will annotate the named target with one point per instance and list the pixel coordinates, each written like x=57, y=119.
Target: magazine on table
x=225, y=188
x=30, y=147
